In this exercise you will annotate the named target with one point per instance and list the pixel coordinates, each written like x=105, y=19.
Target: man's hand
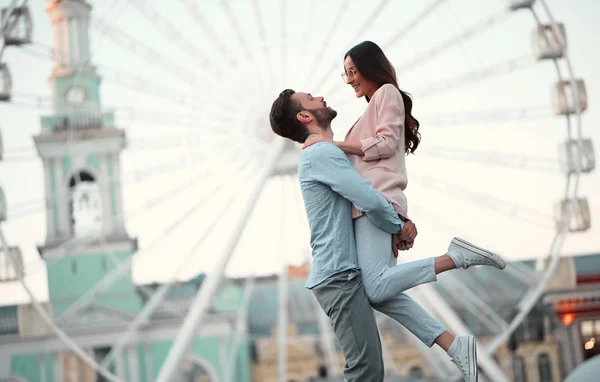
x=400, y=245
x=314, y=139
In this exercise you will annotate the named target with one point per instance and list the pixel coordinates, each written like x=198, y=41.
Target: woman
x=377, y=145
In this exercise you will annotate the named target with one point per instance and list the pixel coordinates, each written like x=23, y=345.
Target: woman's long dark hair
x=372, y=64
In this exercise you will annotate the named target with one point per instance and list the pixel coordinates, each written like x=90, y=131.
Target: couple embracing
x=353, y=192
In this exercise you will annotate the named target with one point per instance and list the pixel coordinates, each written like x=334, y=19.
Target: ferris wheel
x=198, y=86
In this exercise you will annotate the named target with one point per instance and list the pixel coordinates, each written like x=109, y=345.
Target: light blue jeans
x=384, y=281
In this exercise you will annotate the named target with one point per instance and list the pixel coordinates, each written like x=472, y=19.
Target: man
x=329, y=185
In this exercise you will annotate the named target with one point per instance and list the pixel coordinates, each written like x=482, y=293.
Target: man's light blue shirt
x=330, y=185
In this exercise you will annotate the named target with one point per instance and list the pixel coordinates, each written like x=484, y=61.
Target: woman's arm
x=350, y=147
x=390, y=124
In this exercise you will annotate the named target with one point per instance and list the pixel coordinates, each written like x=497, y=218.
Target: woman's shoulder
x=387, y=91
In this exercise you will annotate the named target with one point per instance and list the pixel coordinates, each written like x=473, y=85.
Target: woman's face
x=362, y=86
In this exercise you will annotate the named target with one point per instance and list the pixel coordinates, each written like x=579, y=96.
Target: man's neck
x=325, y=132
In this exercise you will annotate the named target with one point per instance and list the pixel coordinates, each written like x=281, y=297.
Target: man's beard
x=323, y=116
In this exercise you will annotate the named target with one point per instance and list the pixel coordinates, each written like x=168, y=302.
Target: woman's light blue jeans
x=384, y=281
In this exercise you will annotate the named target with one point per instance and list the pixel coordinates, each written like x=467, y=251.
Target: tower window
x=74, y=267
x=415, y=372
x=85, y=205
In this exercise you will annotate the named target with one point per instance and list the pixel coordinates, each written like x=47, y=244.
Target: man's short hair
x=283, y=117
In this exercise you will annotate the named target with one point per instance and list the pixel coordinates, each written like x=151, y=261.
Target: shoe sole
x=473, y=354
x=501, y=264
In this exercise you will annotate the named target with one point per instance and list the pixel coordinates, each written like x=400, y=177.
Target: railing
x=78, y=121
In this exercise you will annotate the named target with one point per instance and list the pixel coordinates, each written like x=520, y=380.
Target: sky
x=196, y=120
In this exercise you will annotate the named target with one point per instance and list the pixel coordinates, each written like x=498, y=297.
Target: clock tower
x=80, y=149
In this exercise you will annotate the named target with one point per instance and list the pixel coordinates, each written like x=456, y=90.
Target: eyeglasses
x=350, y=73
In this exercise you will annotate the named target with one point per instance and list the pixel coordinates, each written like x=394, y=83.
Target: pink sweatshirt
x=381, y=132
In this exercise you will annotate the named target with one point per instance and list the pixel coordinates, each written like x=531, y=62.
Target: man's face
x=316, y=108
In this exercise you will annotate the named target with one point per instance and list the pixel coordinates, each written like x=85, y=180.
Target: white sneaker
x=465, y=357
x=474, y=255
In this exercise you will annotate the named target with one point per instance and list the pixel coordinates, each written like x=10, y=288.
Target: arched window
x=197, y=370
x=544, y=367
x=519, y=371
x=85, y=205
x=415, y=372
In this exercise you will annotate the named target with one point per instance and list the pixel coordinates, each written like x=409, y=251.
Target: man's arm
x=330, y=166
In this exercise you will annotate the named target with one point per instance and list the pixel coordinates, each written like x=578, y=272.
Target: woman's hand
x=315, y=139
x=409, y=232
x=405, y=239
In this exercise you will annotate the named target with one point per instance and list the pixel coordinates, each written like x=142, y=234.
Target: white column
x=50, y=228
x=148, y=361
x=223, y=358
x=105, y=183
x=5, y=364
x=118, y=192
x=56, y=367
x=62, y=195
x=42, y=366
x=119, y=365
x=134, y=365
x=282, y=323
x=84, y=40
x=63, y=48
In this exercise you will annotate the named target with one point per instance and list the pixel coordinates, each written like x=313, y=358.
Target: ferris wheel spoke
x=284, y=38
x=334, y=25
x=146, y=52
x=239, y=328
x=475, y=305
x=157, y=297
x=513, y=210
x=521, y=162
x=119, y=272
x=142, y=85
x=369, y=22
x=139, y=176
x=147, y=206
x=172, y=33
x=196, y=14
x=527, y=277
x=233, y=23
x=200, y=303
x=264, y=45
x=495, y=19
x=468, y=117
x=399, y=34
x=512, y=65
x=63, y=337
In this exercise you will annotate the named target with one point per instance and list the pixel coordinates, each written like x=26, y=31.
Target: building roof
x=587, y=265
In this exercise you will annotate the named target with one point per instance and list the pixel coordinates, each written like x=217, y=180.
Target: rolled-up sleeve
x=390, y=124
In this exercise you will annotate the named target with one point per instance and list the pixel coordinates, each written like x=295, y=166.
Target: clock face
x=76, y=96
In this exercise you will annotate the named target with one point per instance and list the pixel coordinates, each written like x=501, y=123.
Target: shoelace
x=458, y=363
x=469, y=262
